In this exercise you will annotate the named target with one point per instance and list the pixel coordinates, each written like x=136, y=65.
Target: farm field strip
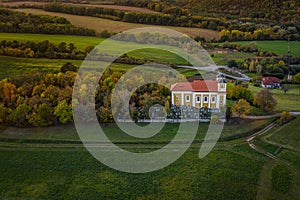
x=100, y=25
x=115, y=7
x=279, y=47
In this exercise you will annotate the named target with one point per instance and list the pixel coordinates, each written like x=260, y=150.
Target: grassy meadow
x=287, y=135
x=68, y=173
x=81, y=42
x=51, y=163
x=12, y=67
x=223, y=58
x=285, y=102
x=279, y=47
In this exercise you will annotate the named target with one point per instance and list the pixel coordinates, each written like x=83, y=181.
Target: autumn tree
x=284, y=118
x=42, y=116
x=63, y=111
x=296, y=78
x=239, y=92
x=3, y=113
x=264, y=100
x=241, y=108
x=20, y=116
x=9, y=93
x=68, y=66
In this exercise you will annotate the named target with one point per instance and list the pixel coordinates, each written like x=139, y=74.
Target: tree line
x=62, y=50
x=247, y=26
x=18, y=22
x=269, y=33
x=254, y=19
x=44, y=49
x=36, y=99
x=282, y=11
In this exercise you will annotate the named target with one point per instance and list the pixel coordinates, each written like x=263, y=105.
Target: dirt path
x=265, y=180
x=268, y=116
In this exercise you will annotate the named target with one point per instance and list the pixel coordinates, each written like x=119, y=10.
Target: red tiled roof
x=196, y=86
x=270, y=80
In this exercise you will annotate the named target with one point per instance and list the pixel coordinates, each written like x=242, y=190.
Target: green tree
x=264, y=100
x=241, y=108
x=252, y=66
x=167, y=106
x=232, y=63
x=68, y=66
x=20, y=116
x=296, y=78
x=3, y=113
x=239, y=92
x=43, y=116
x=285, y=88
x=63, y=111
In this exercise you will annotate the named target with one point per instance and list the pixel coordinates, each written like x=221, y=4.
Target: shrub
x=285, y=118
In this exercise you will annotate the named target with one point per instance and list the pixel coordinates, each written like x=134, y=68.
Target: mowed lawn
x=72, y=173
x=100, y=25
x=14, y=67
x=59, y=170
x=35, y=169
x=115, y=134
x=150, y=52
x=279, y=47
x=287, y=135
x=81, y=42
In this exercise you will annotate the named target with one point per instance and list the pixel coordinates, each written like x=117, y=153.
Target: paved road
x=241, y=77
x=268, y=116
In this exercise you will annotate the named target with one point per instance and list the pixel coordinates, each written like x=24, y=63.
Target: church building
x=200, y=93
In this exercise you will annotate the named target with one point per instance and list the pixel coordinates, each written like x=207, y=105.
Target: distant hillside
x=280, y=10
x=277, y=10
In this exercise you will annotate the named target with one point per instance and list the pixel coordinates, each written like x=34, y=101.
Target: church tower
x=222, y=84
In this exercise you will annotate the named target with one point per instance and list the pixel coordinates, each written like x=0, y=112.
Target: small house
x=270, y=82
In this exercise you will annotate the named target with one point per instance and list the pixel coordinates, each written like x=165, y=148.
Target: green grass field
x=68, y=132
x=277, y=46
x=71, y=172
x=13, y=67
x=56, y=169
x=285, y=102
x=81, y=42
x=287, y=135
x=75, y=174
x=223, y=58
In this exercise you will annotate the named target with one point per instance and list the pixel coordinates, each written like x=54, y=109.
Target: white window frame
x=206, y=99
x=198, y=97
x=213, y=99
x=187, y=98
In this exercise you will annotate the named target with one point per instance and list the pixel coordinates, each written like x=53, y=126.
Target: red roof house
x=270, y=82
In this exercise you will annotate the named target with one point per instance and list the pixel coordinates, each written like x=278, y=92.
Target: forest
x=45, y=99
x=18, y=22
x=282, y=11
